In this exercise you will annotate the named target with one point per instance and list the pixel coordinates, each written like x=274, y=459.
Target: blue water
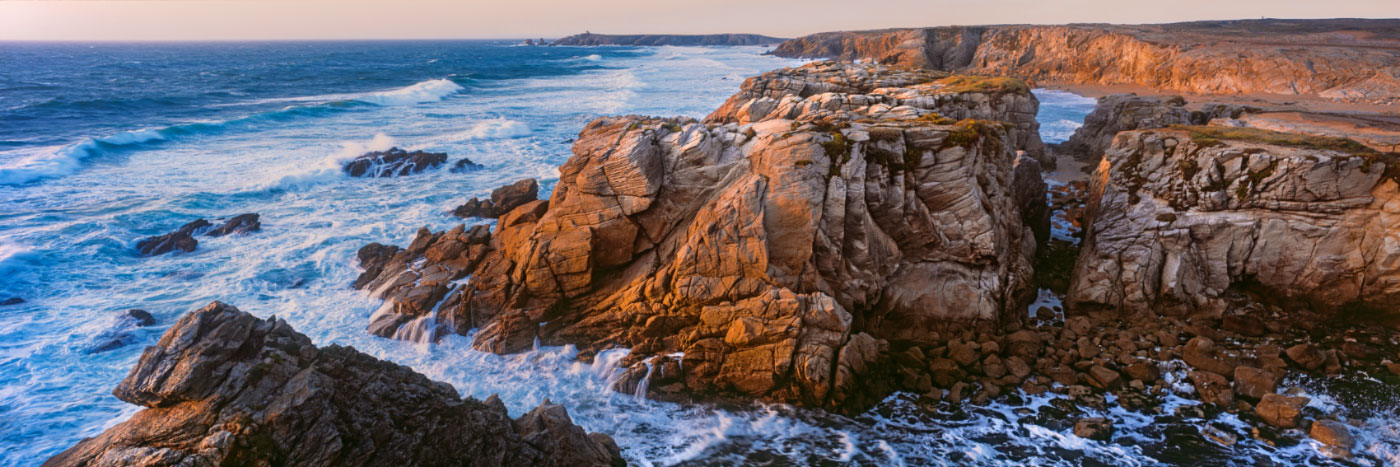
x=103, y=144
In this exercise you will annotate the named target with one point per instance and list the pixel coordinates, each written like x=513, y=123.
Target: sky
x=418, y=19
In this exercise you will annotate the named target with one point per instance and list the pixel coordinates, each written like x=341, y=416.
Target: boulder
x=1095, y=428
x=465, y=165
x=1254, y=383
x=181, y=239
x=140, y=318
x=223, y=387
x=1212, y=388
x=1306, y=356
x=1332, y=433
x=1200, y=353
x=393, y=162
x=1180, y=219
x=11, y=301
x=1280, y=410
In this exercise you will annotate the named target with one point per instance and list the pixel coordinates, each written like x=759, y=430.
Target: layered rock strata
x=502, y=200
x=774, y=259
x=1352, y=60
x=1183, y=218
x=1123, y=112
x=833, y=92
x=223, y=387
x=590, y=39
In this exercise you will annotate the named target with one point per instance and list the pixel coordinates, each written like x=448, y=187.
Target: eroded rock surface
x=223, y=387
x=502, y=200
x=182, y=239
x=1123, y=112
x=774, y=259
x=1350, y=60
x=1181, y=218
x=395, y=162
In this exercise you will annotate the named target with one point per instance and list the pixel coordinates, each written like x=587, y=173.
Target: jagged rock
x=1095, y=428
x=832, y=92
x=1123, y=112
x=240, y=224
x=1201, y=354
x=11, y=301
x=1212, y=388
x=1182, y=217
x=780, y=257
x=1280, y=410
x=512, y=332
x=394, y=162
x=1254, y=383
x=1311, y=57
x=503, y=200
x=223, y=387
x=181, y=239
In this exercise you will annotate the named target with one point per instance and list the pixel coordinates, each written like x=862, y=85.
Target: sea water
x=103, y=144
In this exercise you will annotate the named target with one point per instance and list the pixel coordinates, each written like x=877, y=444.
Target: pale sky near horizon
x=410, y=19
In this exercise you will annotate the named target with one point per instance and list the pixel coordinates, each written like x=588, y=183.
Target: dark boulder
x=394, y=162
x=223, y=387
x=11, y=301
x=141, y=318
x=466, y=165
x=162, y=244
x=240, y=224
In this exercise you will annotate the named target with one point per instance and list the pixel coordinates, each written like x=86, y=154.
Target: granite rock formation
x=833, y=92
x=776, y=258
x=502, y=200
x=1181, y=218
x=395, y=162
x=1351, y=59
x=1123, y=112
x=223, y=387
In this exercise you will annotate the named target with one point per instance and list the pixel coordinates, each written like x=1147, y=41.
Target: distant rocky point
x=668, y=39
x=1354, y=60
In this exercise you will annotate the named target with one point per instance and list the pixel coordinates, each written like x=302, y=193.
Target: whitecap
x=57, y=161
x=327, y=169
x=497, y=128
x=426, y=91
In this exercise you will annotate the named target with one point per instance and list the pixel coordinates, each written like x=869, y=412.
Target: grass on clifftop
x=968, y=83
x=1212, y=135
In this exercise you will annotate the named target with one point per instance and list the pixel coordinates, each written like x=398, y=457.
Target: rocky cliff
x=588, y=39
x=223, y=387
x=1351, y=60
x=776, y=258
x=1123, y=112
x=1181, y=219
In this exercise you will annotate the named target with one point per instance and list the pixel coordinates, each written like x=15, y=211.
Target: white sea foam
x=327, y=169
x=56, y=161
x=426, y=91
x=497, y=128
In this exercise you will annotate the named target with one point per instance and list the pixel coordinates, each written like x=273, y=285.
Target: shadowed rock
x=503, y=200
x=394, y=162
x=240, y=224
x=181, y=239
x=223, y=387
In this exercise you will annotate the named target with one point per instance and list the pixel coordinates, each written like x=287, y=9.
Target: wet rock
x=503, y=200
x=1280, y=410
x=1244, y=325
x=1095, y=428
x=465, y=165
x=11, y=301
x=513, y=332
x=1254, y=383
x=1201, y=354
x=1017, y=367
x=223, y=387
x=240, y=224
x=1334, y=434
x=181, y=239
x=1024, y=343
x=1102, y=377
x=1219, y=436
x=140, y=318
x=1307, y=356
x=1212, y=388
x=1142, y=371
x=393, y=162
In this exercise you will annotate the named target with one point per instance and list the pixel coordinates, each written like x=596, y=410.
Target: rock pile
x=183, y=238
x=395, y=162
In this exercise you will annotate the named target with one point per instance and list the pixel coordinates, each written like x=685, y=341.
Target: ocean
x=104, y=144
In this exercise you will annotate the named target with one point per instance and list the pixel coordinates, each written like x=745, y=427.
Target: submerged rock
x=465, y=165
x=1280, y=410
x=240, y=224
x=1096, y=428
x=181, y=239
x=11, y=301
x=223, y=387
x=141, y=318
x=394, y=162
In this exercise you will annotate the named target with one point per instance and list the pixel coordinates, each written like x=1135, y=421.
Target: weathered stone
x=1102, y=377
x=1212, y=388
x=1142, y=371
x=1201, y=354
x=223, y=387
x=1254, y=383
x=1307, y=356
x=393, y=162
x=240, y=224
x=1332, y=433
x=1095, y=428
x=1280, y=410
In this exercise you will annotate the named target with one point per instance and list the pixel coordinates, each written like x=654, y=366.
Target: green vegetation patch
x=987, y=84
x=1214, y=135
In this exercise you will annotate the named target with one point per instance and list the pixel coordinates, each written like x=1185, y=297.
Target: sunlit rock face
x=773, y=258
